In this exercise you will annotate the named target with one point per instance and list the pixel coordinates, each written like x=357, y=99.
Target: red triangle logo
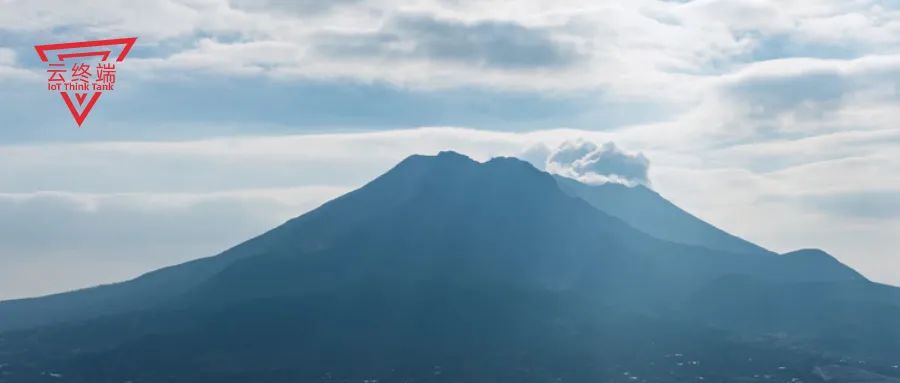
x=108, y=52
x=79, y=116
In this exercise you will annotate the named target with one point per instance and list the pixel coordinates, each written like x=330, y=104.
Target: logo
x=81, y=71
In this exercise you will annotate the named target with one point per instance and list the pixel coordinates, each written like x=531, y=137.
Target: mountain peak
x=448, y=167
x=444, y=157
x=808, y=253
x=511, y=160
x=820, y=265
x=452, y=154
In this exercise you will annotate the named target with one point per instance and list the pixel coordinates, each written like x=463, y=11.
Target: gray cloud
x=536, y=154
x=812, y=89
x=875, y=204
x=589, y=162
x=298, y=7
x=776, y=94
x=496, y=44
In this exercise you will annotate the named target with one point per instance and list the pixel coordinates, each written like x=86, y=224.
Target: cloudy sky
x=775, y=120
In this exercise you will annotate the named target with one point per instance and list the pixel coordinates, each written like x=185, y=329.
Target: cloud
x=784, y=100
x=10, y=70
x=56, y=241
x=7, y=56
x=217, y=164
x=871, y=204
x=564, y=46
x=297, y=7
x=497, y=44
x=644, y=49
x=786, y=83
x=804, y=97
x=592, y=163
x=668, y=54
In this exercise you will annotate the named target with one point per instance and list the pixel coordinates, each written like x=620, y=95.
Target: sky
x=774, y=120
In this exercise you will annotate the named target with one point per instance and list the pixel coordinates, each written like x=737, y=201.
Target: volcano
x=445, y=269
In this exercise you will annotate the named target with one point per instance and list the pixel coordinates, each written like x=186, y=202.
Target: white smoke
x=597, y=164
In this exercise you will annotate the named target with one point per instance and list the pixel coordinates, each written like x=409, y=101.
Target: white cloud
x=785, y=100
x=7, y=56
x=11, y=71
x=345, y=159
x=643, y=49
x=421, y=44
x=591, y=163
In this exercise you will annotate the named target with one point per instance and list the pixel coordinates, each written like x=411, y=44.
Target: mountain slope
x=649, y=212
x=848, y=319
x=145, y=291
x=443, y=269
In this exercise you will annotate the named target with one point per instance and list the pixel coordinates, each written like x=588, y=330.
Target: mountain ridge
x=165, y=283
x=649, y=212
x=489, y=270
